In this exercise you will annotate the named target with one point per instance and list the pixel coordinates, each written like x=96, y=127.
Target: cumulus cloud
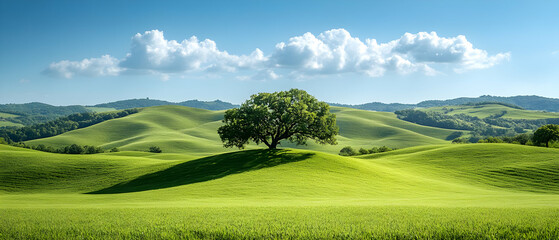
x=336, y=51
x=331, y=52
x=151, y=51
x=93, y=67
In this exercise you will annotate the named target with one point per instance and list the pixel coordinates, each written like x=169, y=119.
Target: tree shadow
x=206, y=169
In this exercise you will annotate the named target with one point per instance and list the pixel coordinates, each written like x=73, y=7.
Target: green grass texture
x=476, y=174
x=179, y=129
x=196, y=189
x=470, y=191
x=486, y=110
x=467, y=191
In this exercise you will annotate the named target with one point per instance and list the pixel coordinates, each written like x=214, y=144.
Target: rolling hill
x=488, y=109
x=448, y=191
x=18, y=115
x=477, y=175
x=526, y=102
x=182, y=129
x=146, y=102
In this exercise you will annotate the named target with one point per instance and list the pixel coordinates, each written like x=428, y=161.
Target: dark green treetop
x=268, y=118
x=546, y=133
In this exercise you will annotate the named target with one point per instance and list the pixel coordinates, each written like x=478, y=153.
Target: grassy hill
x=182, y=129
x=197, y=189
x=146, y=102
x=476, y=191
x=19, y=115
x=486, y=110
x=442, y=174
x=526, y=102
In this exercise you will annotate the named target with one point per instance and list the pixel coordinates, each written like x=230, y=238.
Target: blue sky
x=88, y=52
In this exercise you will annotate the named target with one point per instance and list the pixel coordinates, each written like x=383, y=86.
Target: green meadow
x=193, y=131
x=486, y=110
x=6, y=123
x=196, y=189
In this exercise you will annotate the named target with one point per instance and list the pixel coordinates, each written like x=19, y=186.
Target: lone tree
x=268, y=118
x=546, y=133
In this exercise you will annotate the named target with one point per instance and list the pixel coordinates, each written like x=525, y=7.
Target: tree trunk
x=547, y=144
x=274, y=144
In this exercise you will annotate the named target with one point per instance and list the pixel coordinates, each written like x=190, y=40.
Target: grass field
x=4, y=123
x=476, y=191
x=7, y=115
x=486, y=110
x=294, y=222
x=196, y=189
x=180, y=129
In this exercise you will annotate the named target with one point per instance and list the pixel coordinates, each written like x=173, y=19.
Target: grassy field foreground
x=318, y=222
x=474, y=191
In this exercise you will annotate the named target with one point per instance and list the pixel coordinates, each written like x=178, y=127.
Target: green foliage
x=74, y=149
x=33, y=113
x=154, y=149
x=71, y=149
x=522, y=139
x=380, y=149
x=546, y=134
x=363, y=151
x=36, y=108
x=493, y=125
x=454, y=135
x=461, y=140
x=491, y=140
x=268, y=118
x=60, y=125
x=115, y=149
x=348, y=151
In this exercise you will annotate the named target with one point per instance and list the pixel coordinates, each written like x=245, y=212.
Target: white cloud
x=103, y=66
x=331, y=52
x=151, y=51
x=336, y=51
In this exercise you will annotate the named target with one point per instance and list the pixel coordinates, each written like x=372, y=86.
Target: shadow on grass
x=206, y=169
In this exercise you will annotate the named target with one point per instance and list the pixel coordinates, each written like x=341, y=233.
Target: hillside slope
x=139, y=103
x=526, y=102
x=190, y=130
x=482, y=173
x=486, y=110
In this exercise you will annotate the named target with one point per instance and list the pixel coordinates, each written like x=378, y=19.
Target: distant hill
x=179, y=129
x=17, y=115
x=493, y=110
x=146, y=102
x=37, y=108
x=526, y=102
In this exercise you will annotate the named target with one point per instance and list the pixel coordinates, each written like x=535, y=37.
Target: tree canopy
x=546, y=133
x=268, y=118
